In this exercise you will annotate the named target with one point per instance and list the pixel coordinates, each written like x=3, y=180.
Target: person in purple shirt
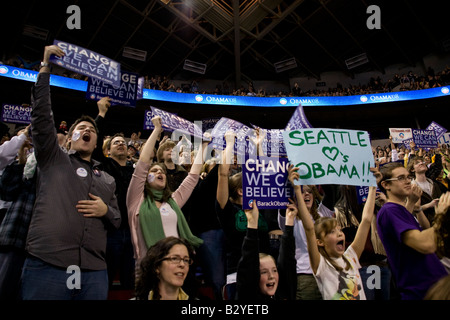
x=407, y=237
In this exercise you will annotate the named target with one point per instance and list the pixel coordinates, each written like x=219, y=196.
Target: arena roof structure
x=267, y=40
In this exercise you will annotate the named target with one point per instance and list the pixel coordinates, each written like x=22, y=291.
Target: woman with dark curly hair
x=163, y=270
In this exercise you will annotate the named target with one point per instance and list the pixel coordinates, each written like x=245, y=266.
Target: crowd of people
x=405, y=81
x=83, y=215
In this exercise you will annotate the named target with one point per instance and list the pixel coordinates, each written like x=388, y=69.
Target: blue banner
x=125, y=95
x=80, y=85
x=87, y=62
x=148, y=124
x=265, y=180
x=438, y=129
x=244, y=136
x=209, y=123
x=12, y=113
x=29, y=75
x=298, y=120
x=294, y=101
x=425, y=139
x=272, y=143
x=172, y=122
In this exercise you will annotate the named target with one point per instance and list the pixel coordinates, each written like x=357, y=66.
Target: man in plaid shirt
x=19, y=189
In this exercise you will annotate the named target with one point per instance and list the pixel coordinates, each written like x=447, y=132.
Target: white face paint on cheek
x=76, y=135
x=150, y=177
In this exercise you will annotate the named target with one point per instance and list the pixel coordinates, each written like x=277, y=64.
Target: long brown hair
x=317, y=197
x=322, y=227
x=167, y=193
x=234, y=184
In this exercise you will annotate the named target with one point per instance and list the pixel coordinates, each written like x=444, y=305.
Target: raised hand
x=291, y=213
x=53, y=49
x=293, y=175
x=157, y=123
x=252, y=216
x=443, y=204
x=103, y=105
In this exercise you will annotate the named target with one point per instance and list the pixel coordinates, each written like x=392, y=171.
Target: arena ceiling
x=316, y=36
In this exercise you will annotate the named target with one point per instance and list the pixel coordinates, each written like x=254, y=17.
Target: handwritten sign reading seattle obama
x=331, y=156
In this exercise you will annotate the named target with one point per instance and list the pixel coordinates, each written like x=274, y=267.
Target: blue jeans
x=43, y=281
x=213, y=259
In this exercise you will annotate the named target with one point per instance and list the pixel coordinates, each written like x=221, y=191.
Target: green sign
x=331, y=156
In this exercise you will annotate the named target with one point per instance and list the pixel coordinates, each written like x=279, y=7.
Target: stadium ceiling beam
x=101, y=24
x=187, y=44
x=168, y=31
x=389, y=34
x=172, y=8
x=193, y=48
x=294, y=28
x=304, y=67
x=429, y=34
x=262, y=60
x=237, y=44
x=171, y=29
x=147, y=11
x=280, y=18
x=371, y=59
x=340, y=64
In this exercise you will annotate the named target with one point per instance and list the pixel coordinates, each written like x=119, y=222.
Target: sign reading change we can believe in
x=331, y=156
x=88, y=63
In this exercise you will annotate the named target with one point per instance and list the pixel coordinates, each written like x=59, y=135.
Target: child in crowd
x=335, y=268
x=258, y=274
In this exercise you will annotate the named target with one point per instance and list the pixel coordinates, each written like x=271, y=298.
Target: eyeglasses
x=178, y=259
x=400, y=179
x=119, y=142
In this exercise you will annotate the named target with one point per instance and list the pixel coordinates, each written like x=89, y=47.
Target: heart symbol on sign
x=330, y=153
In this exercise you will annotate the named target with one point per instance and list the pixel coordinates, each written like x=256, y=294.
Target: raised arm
x=366, y=220
x=222, y=194
x=248, y=274
x=258, y=141
x=42, y=123
x=305, y=217
x=103, y=105
x=9, y=149
x=199, y=160
x=148, y=150
x=287, y=264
